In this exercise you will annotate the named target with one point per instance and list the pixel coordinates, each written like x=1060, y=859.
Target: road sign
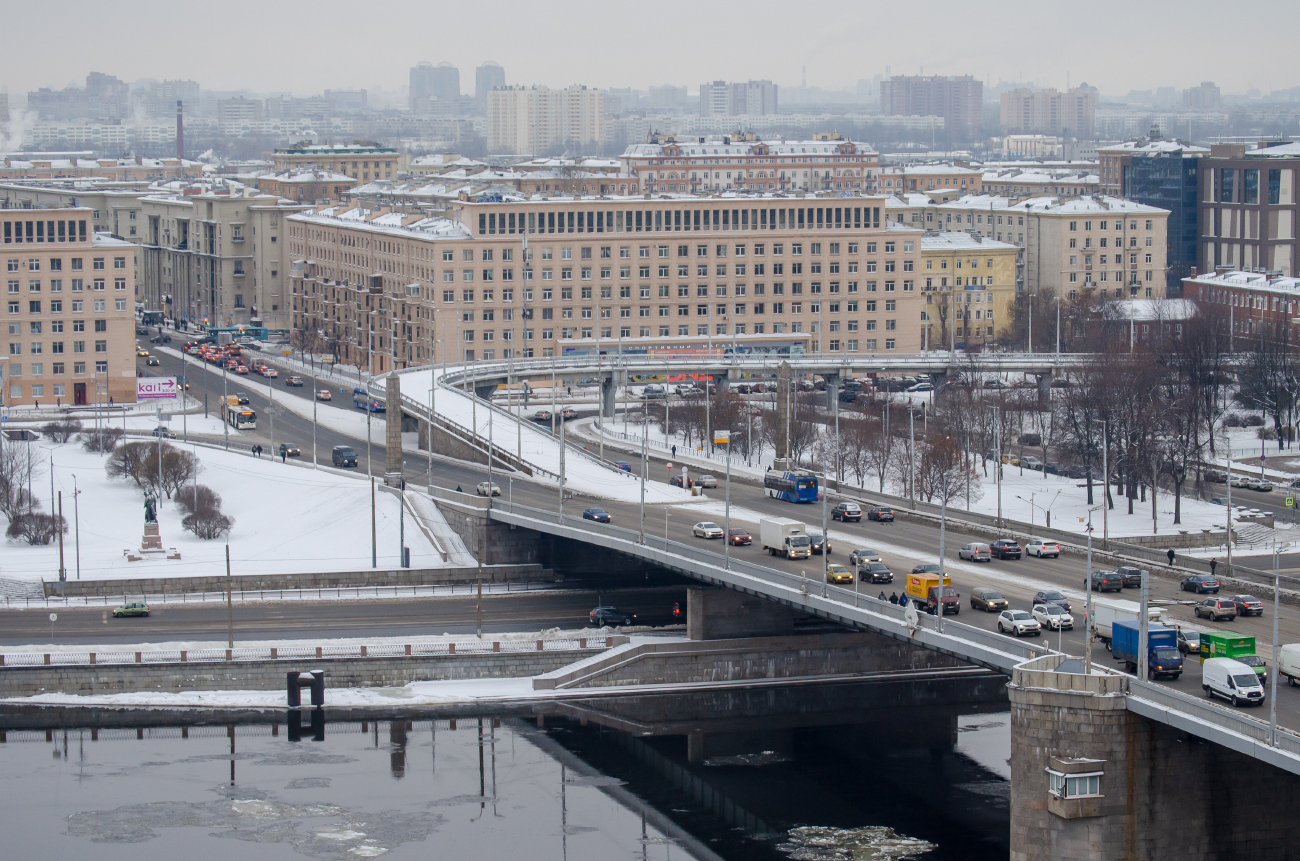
x=670, y=464
x=721, y=437
x=1290, y=502
x=54, y=617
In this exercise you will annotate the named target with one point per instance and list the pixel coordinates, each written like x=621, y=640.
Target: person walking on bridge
x=1170, y=554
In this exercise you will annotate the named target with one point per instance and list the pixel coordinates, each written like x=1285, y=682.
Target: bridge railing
x=1215, y=715
x=809, y=582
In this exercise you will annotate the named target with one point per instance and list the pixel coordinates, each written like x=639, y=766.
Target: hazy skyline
x=307, y=48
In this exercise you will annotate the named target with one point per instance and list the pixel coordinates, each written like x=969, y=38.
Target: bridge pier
x=608, y=391
x=1044, y=390
x=392, y=430
x=485, y=391
x=832, y=390
x=701, y=745
x=1163, y=793
x=720, y=614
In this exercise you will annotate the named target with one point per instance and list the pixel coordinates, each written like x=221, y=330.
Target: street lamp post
x=76, y=519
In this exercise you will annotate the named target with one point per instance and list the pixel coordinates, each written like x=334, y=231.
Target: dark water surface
x=591, y=782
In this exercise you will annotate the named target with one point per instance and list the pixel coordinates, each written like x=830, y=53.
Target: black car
x=988, y=600
x=1051, y=596
x=242, y=399
x=875, y=572
x=1006, y=548
x=160, y=339
x=1132, y=576
x=819, y=542
x=847, y=511
x=925, y=568
x=343, y=456
x=881, y=514
x=599, y=515
x=602, y=616
x=1107, y=581
x=1248, y=605
x=1200, y=583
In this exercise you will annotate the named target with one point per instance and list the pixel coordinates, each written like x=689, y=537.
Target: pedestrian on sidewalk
x=252, y=449
x=674, y=451
x=1214, y=563
x=1170, y=554
x=893, y=597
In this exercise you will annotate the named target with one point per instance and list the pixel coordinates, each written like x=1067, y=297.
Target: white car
x=1053, y=617
x=706, y=481
x=1018, y=623
x=1041, y=547
x=706, y=529
x=488, y=489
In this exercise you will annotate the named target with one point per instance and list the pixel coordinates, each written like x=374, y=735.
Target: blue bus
x=361, y=399
x=795, y=486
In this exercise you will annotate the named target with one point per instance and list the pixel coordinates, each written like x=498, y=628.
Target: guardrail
x=808, y=593
x=298, y=653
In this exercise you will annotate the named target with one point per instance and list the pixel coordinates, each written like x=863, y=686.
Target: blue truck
x=1163, y=657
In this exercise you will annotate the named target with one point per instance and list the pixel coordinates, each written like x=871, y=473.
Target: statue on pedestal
x=149, y=514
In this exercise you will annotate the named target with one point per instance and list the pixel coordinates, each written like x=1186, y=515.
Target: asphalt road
x=415, y=617
x=902, y=544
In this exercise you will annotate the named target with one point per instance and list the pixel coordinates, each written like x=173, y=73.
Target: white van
x=1232, y=680
x=1288, y=663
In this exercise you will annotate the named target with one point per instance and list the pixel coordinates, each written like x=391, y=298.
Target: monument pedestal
x=151, y=539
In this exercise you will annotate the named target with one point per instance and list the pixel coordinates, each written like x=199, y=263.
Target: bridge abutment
x=1162, y=793
x=720, y=614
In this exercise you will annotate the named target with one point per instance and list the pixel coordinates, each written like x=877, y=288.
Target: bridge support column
x=701, y=746
x=393, y=430
x=720, y=614
x=608, y=402
x=832, y=390
x=1162, y=794
x=784, y=402
x=1044, y=390
x=484, y=391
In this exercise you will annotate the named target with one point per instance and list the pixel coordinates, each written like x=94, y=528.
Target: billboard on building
x=156, y=388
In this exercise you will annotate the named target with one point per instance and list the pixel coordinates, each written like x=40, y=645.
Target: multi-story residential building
x=959, y=100
x=238, y=110
x=1202, y=98
x=487, y=77
x=361, y=160
x=675, y=272
x=1040, y=182
x=1071, y=114
x=69, y=309
x=743, y=162
x=81, y=165
x=1017, y=146
x=970, y=288
x=214, y=253
x=431, y=85
x=750, y=98
x=948, y=177
x=1248, y=207
x=1248, y=302
x=1113, y=246
x=306, y=185
x=531, y=120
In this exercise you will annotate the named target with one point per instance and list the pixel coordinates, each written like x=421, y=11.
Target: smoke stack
x=180, y=131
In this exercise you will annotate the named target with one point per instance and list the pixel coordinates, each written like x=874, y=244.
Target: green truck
x=1224, y=644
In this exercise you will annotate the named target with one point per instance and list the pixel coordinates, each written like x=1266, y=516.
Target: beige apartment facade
x=531, y=120
x=671, y=274
x=69, y=310
x=676, y=164
x=217, y=258
x=361, y=161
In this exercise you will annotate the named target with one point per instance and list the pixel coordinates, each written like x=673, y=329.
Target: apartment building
x=958, y=99
x=307, y=185
x=1247, y=208
x=675, y=164
x=751, y=98
x=1106, y=246
x=1040, y=182
x=1248, y=301
x=970, y=288
x=69, y=309
x=361, y=160
x=531, y=120
x=676, y=272
x=80, y=165
x=213, y=253
x=1072, y=113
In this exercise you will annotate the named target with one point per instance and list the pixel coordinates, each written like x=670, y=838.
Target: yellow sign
x=721, y=437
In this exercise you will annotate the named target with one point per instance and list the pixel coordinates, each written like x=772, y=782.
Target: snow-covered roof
x=1290, y=150
x=983, y=201
x=1152, y=148
x=907, y=200
x=1091, y=205
x=739, y=148
x=435, y=227
x=306, y=174
x=937, y=169
x=1041, y=177
x=1249, y=280
x=960, y=241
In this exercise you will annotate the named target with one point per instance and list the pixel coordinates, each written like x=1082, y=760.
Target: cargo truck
x=1225, y=644
x=784, y=537
x=1107, y=611
x=923, y=590
x=1163, y=657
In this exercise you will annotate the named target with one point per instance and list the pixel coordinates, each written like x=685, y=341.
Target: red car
x=739, y=537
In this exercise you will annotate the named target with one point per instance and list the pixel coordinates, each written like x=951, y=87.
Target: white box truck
x=1107, y=611
x=784, y=537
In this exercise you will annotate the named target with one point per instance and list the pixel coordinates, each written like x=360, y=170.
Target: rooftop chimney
x=180, y=131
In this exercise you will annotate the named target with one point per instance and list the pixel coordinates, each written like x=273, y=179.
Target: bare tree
x=18, y=468
x=130, y=460
x=61, y=431
x=102, y=440
x=202, y=513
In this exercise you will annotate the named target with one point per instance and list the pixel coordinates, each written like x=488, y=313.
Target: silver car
x=858, y=557
x=1018, y=623
x=706, y=529
x=976, y=551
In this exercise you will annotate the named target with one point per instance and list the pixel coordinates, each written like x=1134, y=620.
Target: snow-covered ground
x=538, y=447
x=288, y=518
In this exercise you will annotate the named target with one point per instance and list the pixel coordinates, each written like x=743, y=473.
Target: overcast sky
x=306, y=47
